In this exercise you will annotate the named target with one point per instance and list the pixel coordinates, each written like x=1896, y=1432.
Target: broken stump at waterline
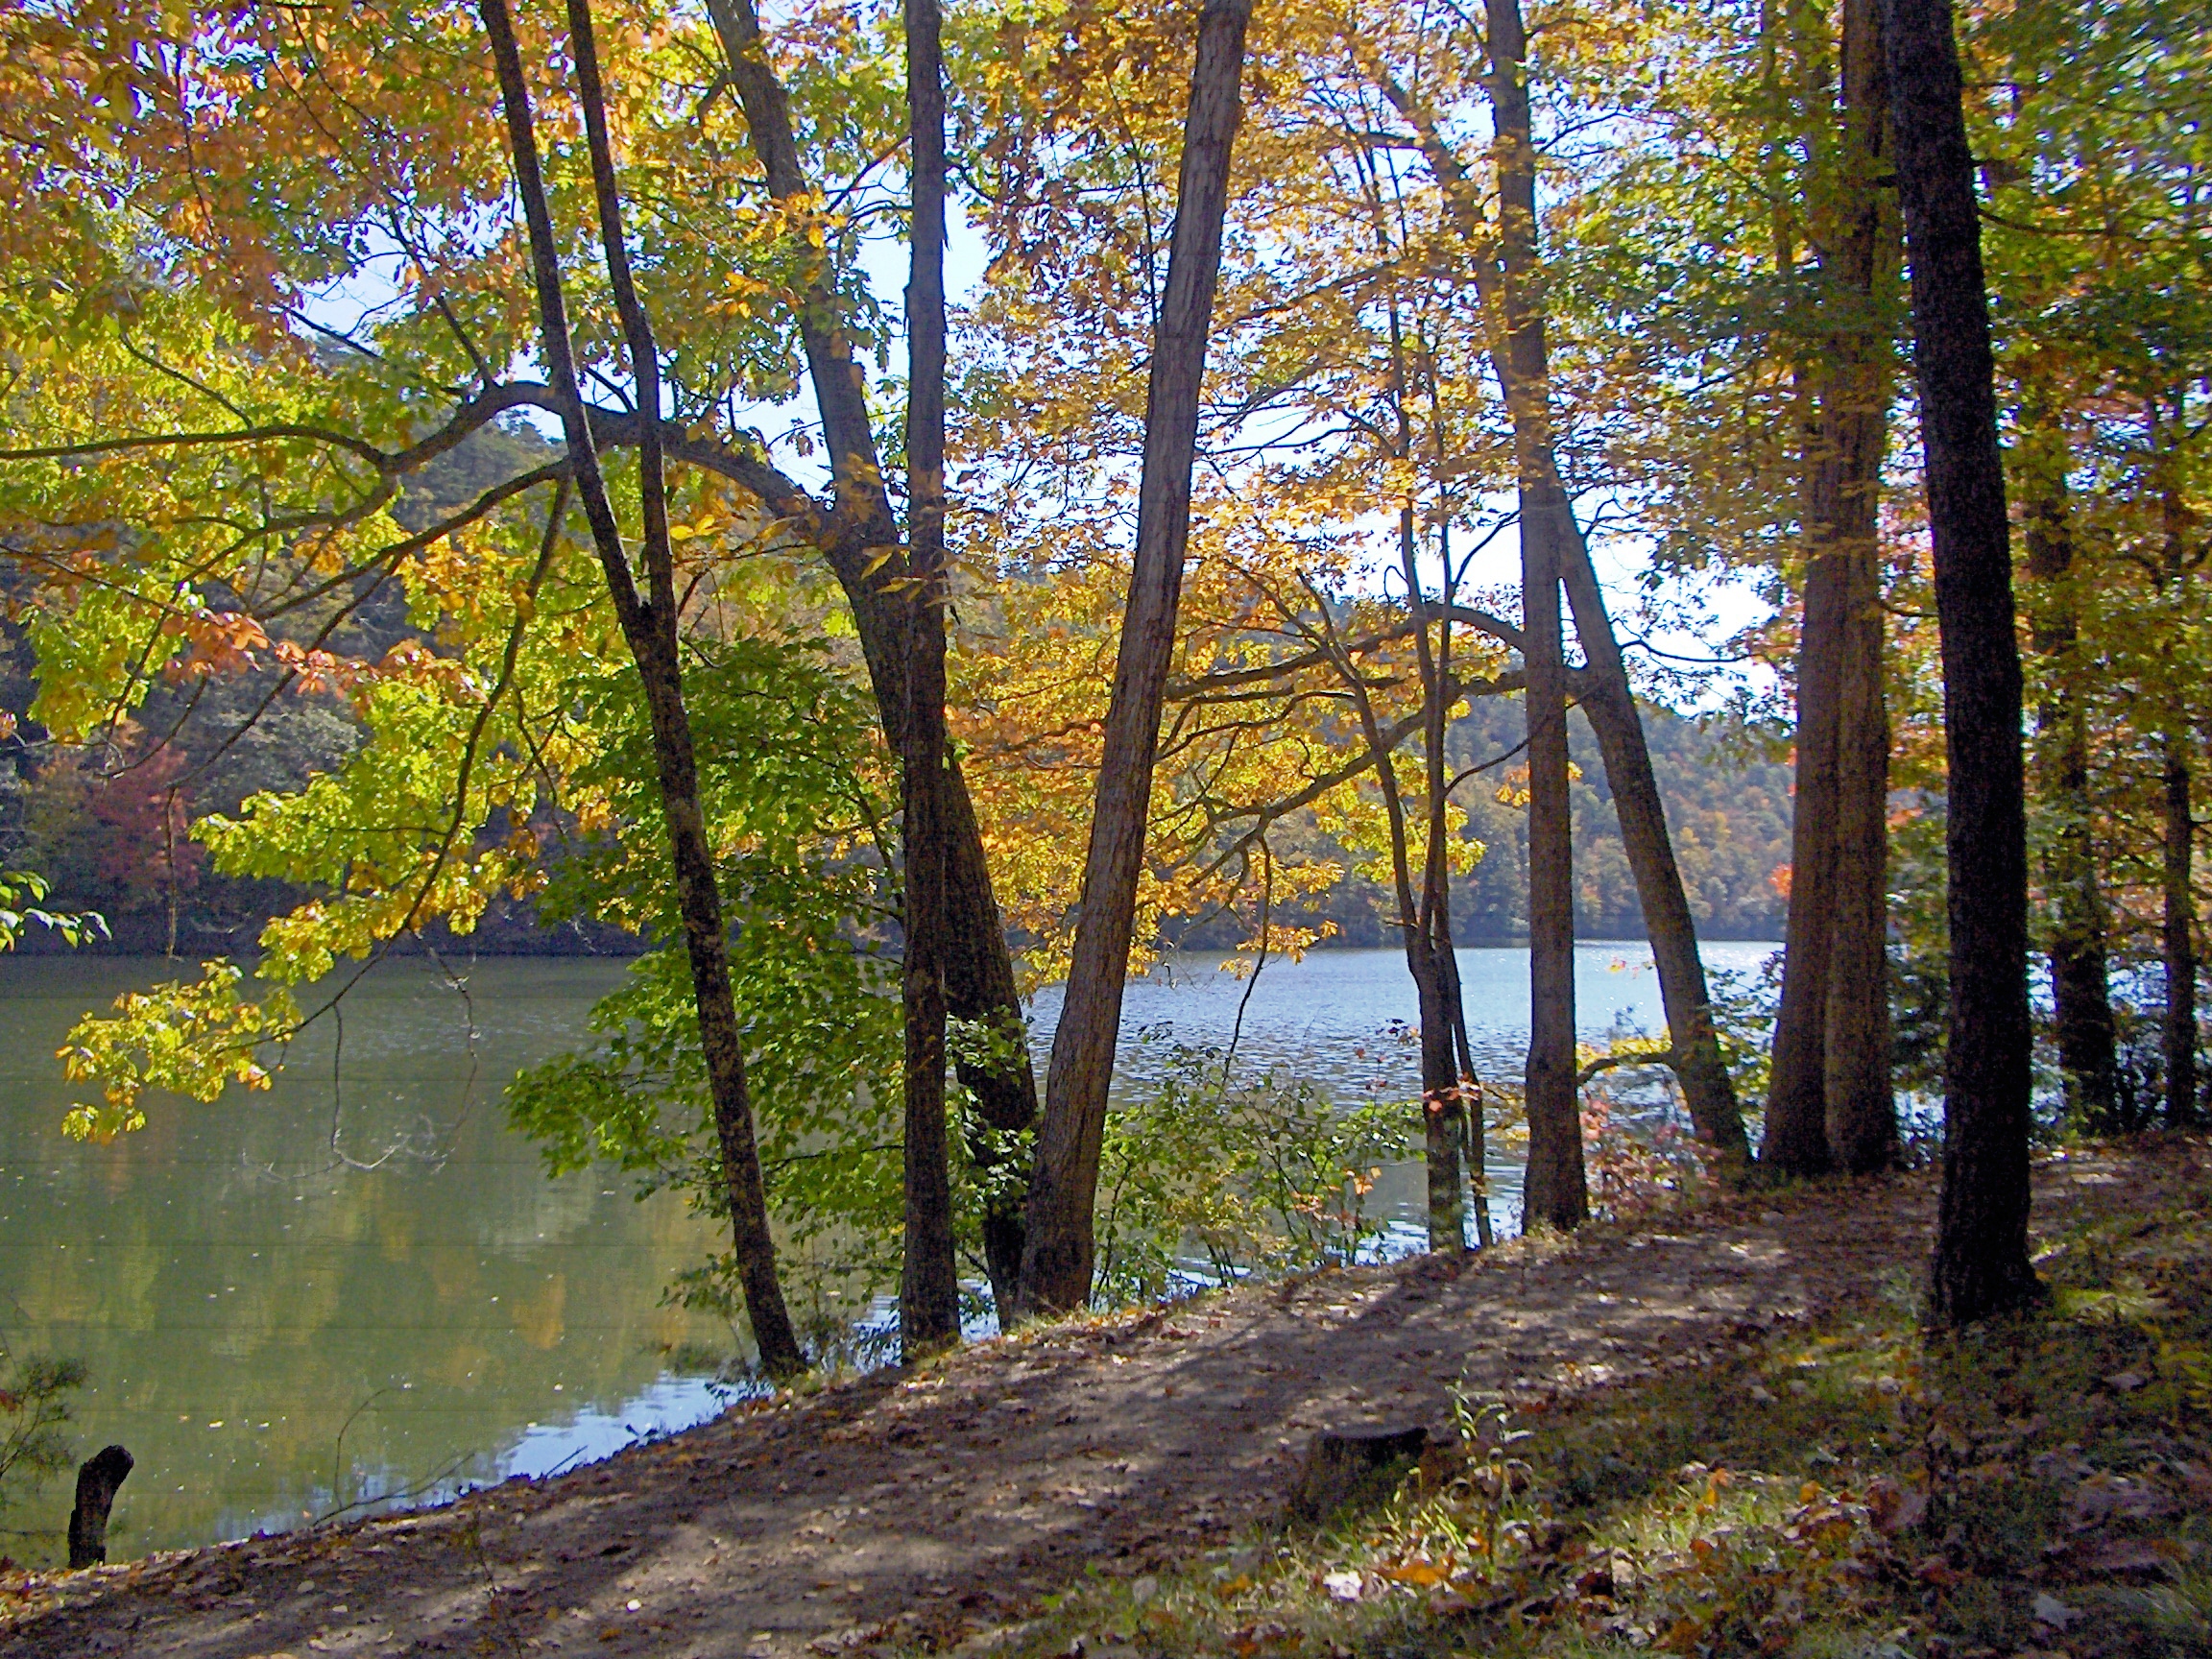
x=1347, y=1464
x=98, y=1482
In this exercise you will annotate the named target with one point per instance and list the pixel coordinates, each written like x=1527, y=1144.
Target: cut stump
x=1344, y=1463
x=97, y=1483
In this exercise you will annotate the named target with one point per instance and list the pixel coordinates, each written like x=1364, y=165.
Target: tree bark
x=99, y=1478
x=977, y=968
x=1980, y=1266
x=929, y=1281
x=1443, y=1098
x=1554, y=1189
x=1862, y=1107
x=1477, y=1160
x=1609, y=701
x=1796, y=1141
x=1057, y=1254
x=2080, y=981
x=649, y=626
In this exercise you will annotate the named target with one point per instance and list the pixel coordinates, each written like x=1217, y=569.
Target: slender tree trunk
x=1057, y=1253
x=929, y=1282
x=1862, y=1107
x=1609, y=702
x=2177, y=1029
x=1980, y=1264
x=1554, y=1189
x=1435, y=973
x=649, y=625
x=976, y=966
x=2081, y=985
x=1471, y=1101
x=1429, y=924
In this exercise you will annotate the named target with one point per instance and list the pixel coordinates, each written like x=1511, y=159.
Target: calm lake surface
x=359, y=1287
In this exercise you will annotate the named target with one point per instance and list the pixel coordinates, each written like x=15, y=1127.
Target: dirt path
x=910, y=1511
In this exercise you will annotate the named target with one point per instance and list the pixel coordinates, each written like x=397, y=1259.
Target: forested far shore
x=106, y=843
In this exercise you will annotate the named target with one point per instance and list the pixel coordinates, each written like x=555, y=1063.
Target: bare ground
x=916, y=1510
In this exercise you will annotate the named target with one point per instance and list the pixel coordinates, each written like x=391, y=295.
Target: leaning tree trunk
x=2080, y=982
x=977, y=968
x=1609, y=702
x=1862, y=1106
x=929, y=1281
x=649, y=626
x=1057, y=1254
x=1980, y=1266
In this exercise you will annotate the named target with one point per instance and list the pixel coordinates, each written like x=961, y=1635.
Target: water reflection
x=360, y=1286
x=356, y=1286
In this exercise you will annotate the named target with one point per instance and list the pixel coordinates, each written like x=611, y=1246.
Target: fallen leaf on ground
x=2050, y=1610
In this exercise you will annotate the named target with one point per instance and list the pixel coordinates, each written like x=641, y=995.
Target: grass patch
x=1849, y=1488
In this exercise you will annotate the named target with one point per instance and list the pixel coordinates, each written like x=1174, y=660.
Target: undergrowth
x=1850, y=1488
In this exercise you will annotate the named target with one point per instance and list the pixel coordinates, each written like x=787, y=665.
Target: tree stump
x=97, y=1483
x=1344, y=1463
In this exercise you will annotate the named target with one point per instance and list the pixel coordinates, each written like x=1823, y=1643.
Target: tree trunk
x=649, y=626
x=1427, y=924
x=2177, y=1028
x=2081, y=985
x=1424, y=928
x=1862, y=1107
x=99, y=1478
x=1443, y=1125
x=1796, y=1141
x=929, y=1282
x=977, y=968
x=1554, y=1189
x=1609, y=703
x=1057, y=1253
x=1471, y=1102
x=1980, y=1266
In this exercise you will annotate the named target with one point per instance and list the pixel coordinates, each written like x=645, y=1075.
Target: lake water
x=360, y=1285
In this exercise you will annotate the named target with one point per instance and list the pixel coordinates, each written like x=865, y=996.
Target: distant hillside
x=1729, y=812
